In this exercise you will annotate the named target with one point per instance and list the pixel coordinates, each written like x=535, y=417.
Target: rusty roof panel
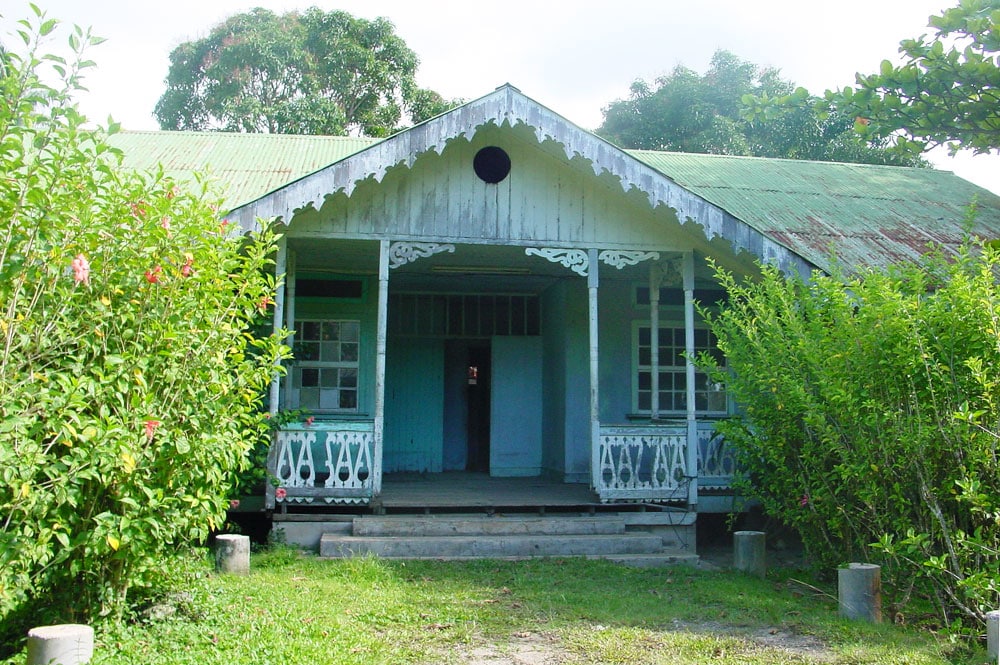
x=867, y=215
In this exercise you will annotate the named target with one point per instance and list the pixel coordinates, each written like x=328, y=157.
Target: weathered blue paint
x=414, y=405
x=516, y=413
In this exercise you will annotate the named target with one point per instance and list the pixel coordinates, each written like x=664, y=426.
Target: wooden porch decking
x=463, y=490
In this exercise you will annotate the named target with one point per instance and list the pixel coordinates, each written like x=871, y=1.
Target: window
x=325, y=369
x=710, y=399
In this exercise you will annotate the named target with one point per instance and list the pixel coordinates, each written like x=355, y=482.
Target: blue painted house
x=498, y=291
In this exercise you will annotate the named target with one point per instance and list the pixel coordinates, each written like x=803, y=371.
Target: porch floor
x=407, y=492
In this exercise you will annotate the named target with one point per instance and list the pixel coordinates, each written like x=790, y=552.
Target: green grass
x=297, y=609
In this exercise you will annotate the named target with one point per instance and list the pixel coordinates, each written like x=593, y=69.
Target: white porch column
x=692, y=423
x=290, y=270
x=280, y=263
x=655, y=277
x=383, y=311
x=595, y=404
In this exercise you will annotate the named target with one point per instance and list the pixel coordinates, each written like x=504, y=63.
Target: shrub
x=870, y=418
x=130, y=386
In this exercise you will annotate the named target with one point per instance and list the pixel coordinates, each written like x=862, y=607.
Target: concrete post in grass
x=62, y=644
x=232, y=554
x=859, y=589
x=993, y=637
x=749, y=555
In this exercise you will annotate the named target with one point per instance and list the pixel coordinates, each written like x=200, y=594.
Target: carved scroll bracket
x=621, y=258
x=574, y=259
x=401, y=253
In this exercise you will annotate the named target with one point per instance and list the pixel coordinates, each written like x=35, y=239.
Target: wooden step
x=473, y=525
x=488, y=547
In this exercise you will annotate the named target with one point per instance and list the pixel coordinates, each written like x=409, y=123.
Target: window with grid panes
x=710, y=399
x=325, y=370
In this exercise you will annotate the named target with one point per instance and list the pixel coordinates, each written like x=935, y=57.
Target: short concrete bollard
x=62, y=644
x=232, y=554
x=749, y=555
x=859, y=589
x=993, y=637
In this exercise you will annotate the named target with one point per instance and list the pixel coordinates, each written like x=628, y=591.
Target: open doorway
x=477, y=390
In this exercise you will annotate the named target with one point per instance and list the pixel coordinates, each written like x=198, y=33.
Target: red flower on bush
x=81, y=269
x=150, y=427
x=804, y=501
x=234, y=504
x=153, y=274
x=310, y=420
x=188, y=268
x=280, y=494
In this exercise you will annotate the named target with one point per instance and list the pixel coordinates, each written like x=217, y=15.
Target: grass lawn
x=296, y=609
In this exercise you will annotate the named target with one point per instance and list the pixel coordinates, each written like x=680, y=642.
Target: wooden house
x=500, y=296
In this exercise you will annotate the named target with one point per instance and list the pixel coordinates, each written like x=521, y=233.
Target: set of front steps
x=635, y=538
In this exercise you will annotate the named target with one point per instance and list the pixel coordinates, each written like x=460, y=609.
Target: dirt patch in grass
x=528, y=648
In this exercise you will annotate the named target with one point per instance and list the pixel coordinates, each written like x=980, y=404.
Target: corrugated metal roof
x=867, y=215
x=244, y=166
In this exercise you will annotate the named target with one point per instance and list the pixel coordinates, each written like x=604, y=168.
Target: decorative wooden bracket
x=621, y=258
x=401, y=253
x=574, y=259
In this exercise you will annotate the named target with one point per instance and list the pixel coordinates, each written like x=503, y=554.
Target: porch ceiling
x=470, y=269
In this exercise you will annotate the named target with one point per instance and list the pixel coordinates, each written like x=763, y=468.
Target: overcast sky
x=573, y=57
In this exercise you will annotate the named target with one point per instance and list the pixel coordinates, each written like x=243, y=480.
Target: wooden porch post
x=595, y=412
x=692, y=423
x=275, y=393
x=383, y=311
x=280, y=263
x=290, y=268
x=655, y=277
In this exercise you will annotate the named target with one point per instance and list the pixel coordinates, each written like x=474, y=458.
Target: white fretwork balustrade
x=642, y=464
x=344, y=476
x=716, y=463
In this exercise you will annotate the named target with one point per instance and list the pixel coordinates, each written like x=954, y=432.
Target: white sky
x=574, y=57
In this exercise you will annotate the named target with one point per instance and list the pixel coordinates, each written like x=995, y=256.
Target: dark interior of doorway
x=478, y=404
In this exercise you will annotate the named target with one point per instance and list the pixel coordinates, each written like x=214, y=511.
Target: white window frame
x=713, y=397
x=298, y=365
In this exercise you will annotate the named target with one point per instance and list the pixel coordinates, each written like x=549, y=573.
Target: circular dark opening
x=492, y=164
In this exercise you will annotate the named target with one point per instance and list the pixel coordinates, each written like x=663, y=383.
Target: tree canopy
x=946, y=91
x=310, y=72
x=689, y=112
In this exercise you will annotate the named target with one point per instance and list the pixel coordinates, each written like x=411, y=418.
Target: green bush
x=870, y=418
x=130, y=386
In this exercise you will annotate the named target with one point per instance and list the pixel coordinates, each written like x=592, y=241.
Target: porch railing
x=649, y=462
x=327, y=461
x=642, y=464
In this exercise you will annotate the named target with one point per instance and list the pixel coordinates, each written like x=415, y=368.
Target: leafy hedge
x=871, y=418
x=129, y=385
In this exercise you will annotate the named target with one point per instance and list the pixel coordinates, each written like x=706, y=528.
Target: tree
x=946, y=91
x=298, y=73
x=130, y=383
x=869, y=418
x=706, y=114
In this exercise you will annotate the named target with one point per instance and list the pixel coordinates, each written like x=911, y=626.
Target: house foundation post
x=380, y=336
x=993, y=637
x=859, y=591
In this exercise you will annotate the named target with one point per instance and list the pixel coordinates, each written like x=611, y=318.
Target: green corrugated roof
x=245, y=166
x=870, y=215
